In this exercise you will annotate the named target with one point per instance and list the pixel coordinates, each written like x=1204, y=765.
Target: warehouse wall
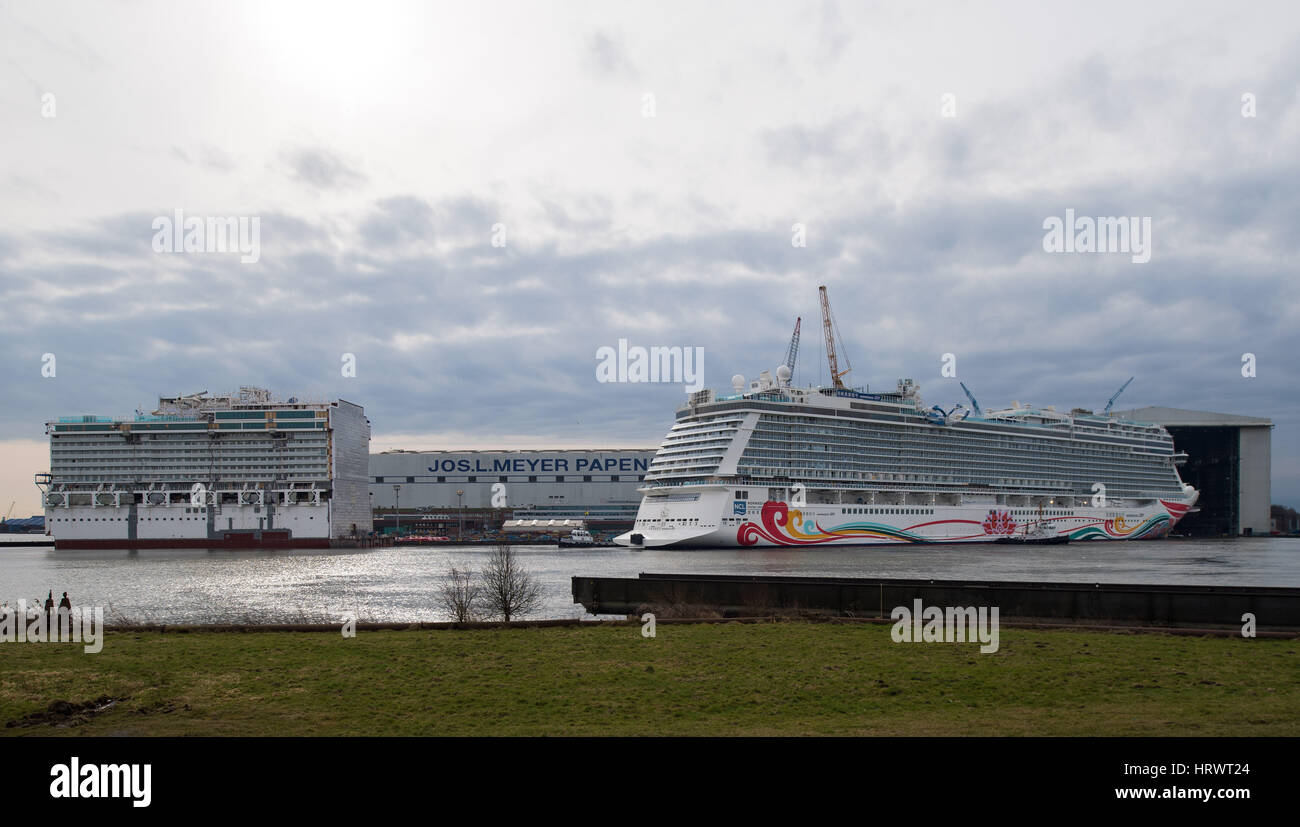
x=431, y=479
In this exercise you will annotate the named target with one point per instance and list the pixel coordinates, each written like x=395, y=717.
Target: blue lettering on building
x=548, y=465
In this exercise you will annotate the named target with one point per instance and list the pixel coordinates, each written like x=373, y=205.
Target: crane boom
x=1116, y=396
x=974, y=406
x=792, y=352
x=829, y=325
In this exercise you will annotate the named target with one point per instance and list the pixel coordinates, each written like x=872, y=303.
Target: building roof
x=1180, y=416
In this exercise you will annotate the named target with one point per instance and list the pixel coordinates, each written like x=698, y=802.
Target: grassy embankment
x=790, y=678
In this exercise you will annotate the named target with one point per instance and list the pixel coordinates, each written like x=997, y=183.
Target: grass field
x=791, y=678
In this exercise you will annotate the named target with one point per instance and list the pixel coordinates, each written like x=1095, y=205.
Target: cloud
x=397, y=220
x=320, y=169
x=207, y=156
x=606, y=54
x=676, y=230
x=833, y=35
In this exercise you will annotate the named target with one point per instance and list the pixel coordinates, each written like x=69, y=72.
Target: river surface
x=400, y=584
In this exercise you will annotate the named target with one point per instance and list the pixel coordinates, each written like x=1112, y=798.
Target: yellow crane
x=828, y=323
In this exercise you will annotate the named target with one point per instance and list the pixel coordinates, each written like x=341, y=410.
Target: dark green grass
x=790, y=678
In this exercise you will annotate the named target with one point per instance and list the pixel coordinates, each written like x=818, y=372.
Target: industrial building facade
x=597, y=486
x=1228, y=461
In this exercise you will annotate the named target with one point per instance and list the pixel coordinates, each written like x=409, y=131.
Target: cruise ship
x=239, y=470
x=773, y=465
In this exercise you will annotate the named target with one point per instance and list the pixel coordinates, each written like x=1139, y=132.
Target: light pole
x=397, y=510
x=460, y=515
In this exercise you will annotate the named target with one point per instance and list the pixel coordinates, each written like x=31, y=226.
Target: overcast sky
x=648, y=162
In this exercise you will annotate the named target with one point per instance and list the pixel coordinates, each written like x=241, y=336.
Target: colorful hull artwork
x=782, y=525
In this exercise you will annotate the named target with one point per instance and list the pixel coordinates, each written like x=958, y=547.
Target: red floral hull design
x=999, y=522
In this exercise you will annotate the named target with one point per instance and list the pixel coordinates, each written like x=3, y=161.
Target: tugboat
x=1040, y=535
x=577, y=537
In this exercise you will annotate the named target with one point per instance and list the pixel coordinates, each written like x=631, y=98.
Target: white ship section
x=226, y=470
x=807, y=467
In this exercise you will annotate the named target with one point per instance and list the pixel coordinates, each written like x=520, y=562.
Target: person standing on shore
x=65, y=603
x=49, y=603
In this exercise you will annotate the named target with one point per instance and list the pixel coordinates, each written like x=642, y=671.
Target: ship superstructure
x=240, y=469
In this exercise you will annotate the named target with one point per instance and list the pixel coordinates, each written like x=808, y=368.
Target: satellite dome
x=783, y=373
x=738, y=382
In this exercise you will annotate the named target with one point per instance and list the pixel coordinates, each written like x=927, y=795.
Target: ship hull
x=159, y=527
x=24, y=540
x=716, y=519
x=233, y=542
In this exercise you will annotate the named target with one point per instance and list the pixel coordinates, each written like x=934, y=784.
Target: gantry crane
x=792, y=352
x=974, y=406
x=831, y=334
x=1111, y=403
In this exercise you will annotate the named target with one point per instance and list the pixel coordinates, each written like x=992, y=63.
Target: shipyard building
x=241, y=469
x=1228, y=461
x=471, y=490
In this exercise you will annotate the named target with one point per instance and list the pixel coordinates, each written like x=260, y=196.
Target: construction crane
x=792, y=352
x=831, y=334
x=1116, y=396
x=974, y=406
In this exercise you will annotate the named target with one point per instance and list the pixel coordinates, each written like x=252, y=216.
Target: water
x=399, y=584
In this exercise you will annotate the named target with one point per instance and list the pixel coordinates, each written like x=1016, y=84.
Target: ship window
x=502, y=479
x=614, y=478
x=586, y=478
x=532, y=478
x=442, y=479
x=473, y=479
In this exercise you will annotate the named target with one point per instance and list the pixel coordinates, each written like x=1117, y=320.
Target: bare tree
x=509, y=589
x=459, y=594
